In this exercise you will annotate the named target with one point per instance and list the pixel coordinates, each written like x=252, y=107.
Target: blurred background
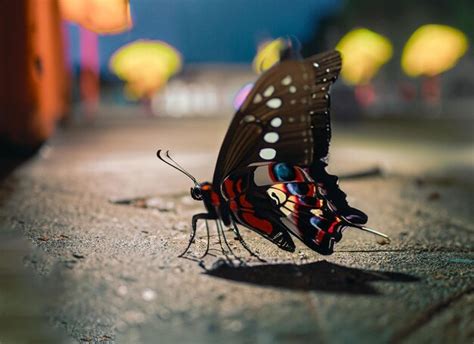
x=78, y=60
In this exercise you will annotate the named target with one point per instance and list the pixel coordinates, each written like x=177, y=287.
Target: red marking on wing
x=257, y=223
x=239, y=186
x=299, y=175
x=215, y=199
x=333, y=225
x=233, y=205
x=270, y=173
x=228, y=184
x=243, y=201
x=319, y=236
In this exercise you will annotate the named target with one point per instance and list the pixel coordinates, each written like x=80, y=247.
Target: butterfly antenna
x=373, y=231
x=181, y=167
x=292, y=49
x=175, y=166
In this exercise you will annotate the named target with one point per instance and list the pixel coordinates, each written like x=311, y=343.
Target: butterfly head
x=196, y=193
x=201, y=191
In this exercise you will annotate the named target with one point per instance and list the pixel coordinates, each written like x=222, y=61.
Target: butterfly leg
x=224, y=252
x=240, y=260
x=208, y=241
x=243, y=243
x=194, y=221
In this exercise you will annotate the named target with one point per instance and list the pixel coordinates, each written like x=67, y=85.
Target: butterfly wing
x=256, y=213
x=278, y=198
x=284, y=118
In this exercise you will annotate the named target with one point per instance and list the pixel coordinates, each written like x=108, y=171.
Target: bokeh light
x=268, y=54
x=363, y=53
x=242, y=95
x=145, y=66
x=433, y=49
x=99, y=16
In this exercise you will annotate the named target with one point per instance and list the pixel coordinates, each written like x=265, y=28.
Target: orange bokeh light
x=100, y=16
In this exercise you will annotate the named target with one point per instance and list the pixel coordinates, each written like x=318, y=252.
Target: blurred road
x=104, y=221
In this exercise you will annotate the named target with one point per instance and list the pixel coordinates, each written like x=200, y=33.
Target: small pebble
x=434, y=196
x=148, y=294
x=122, y=290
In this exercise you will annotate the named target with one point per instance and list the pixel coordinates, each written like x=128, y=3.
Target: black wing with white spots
x=285, y=118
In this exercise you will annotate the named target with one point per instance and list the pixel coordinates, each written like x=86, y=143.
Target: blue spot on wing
x=284, y=172
x=298, y=189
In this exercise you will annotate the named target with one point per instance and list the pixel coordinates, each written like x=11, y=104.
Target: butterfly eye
x=196, y=193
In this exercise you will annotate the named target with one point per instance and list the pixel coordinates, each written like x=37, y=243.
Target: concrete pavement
x=111, y=274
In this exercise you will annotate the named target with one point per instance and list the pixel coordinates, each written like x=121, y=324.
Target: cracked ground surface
x=92, y=226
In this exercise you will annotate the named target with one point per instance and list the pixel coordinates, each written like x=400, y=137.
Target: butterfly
x=271, y=173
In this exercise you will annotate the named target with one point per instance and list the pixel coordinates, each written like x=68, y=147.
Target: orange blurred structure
x=99, y=16
x=34, y=82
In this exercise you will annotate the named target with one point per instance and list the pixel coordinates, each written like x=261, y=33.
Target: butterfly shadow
x=316, y=276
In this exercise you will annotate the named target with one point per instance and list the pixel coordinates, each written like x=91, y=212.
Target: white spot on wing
x=269, y=91
x=249, y=118
x=286, y=80
x=292, y=89
x=267, y=153
x=257, y=98
x=271, y=137
x=274, y=103
x=276, y=122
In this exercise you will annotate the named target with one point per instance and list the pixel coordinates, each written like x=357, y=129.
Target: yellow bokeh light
x=363, y=53
x=268, y=54
x=99, y=16
x=146, y=66
x=433, y=49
